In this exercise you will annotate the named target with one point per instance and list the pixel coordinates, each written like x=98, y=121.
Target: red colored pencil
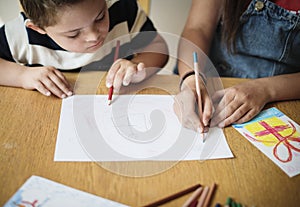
x=111, y=89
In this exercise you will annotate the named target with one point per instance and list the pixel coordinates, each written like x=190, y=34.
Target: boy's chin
x=84, y=51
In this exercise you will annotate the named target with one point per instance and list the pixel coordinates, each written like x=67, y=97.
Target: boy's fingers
x=60, y=85
x=140, y=66
x=63, y=79
x=118, y=79
x=112, y=73
x=42, y=89
x=131, y=70
x=52, y=87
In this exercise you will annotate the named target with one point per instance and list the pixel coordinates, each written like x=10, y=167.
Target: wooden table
x=28, y=130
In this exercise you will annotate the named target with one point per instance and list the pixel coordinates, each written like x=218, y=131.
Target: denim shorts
x=267, y=44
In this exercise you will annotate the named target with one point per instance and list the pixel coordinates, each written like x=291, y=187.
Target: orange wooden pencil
x=111, y=89
x=210, y=194
x=203, y=196
x=197, y=80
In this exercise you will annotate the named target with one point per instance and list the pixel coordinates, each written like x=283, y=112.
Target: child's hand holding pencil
x=123, y=72
x=198, y=78
x=193, y=90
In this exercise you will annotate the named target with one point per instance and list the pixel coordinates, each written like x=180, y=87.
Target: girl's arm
x=197, y=36
x=240, y=103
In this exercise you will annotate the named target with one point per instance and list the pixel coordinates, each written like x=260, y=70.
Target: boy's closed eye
x=74, y=36
x=97, y=20
x=100, y=17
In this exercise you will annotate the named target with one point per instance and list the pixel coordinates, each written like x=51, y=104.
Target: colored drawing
x=27, y=203
x=277, y=136
x=41, y=192
x=275, y=133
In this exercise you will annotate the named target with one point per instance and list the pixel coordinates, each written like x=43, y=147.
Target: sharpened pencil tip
x=109, y=102
x=204, y=137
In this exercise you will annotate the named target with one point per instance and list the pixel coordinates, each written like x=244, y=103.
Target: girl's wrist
x=188, y=79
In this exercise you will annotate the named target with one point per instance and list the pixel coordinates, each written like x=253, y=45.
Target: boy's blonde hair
x=43, y=13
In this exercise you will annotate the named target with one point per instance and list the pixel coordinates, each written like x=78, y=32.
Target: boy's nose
x=92, y=34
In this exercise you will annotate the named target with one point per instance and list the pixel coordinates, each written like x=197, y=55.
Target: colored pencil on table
x=111, y=89
x=203, y=196
x=228, y=202
x=174, y=196
x=209, y=195
x=193, y=197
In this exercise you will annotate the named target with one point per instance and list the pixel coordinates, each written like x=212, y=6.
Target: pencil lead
x=204, y=137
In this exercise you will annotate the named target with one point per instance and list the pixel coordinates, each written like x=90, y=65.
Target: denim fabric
x=268, y=44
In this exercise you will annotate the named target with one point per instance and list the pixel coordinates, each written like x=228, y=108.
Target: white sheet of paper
x=38, y=191
x=133, y=128
x=277, y=136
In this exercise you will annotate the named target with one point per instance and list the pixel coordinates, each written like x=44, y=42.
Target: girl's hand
x=123, y=72
x=185, y=107
x=47, y=80
x=239, y=103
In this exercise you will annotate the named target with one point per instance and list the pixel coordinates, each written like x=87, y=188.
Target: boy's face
x=81, y=27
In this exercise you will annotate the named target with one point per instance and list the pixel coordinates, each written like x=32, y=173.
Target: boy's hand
x=47, y=80
x=123, y=72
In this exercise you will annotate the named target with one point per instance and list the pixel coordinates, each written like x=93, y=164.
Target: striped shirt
x=128, y=23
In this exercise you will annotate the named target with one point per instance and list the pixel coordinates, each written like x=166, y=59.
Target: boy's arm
x=46, y=80
x=154, y=56
x=10, y=73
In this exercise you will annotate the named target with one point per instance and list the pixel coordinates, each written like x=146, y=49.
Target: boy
x=69, y=34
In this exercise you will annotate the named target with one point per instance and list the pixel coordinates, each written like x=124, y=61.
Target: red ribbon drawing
x=27, y=203
x=285, y=140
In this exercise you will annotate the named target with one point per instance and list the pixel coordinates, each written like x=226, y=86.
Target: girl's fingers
x=184, y=107
x=223, y=105
x=244, y=114
x=234, y=116
x=217, y=96
x=208, y=110
x=227, y=114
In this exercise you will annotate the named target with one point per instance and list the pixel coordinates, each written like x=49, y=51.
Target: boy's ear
x=31, y=25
